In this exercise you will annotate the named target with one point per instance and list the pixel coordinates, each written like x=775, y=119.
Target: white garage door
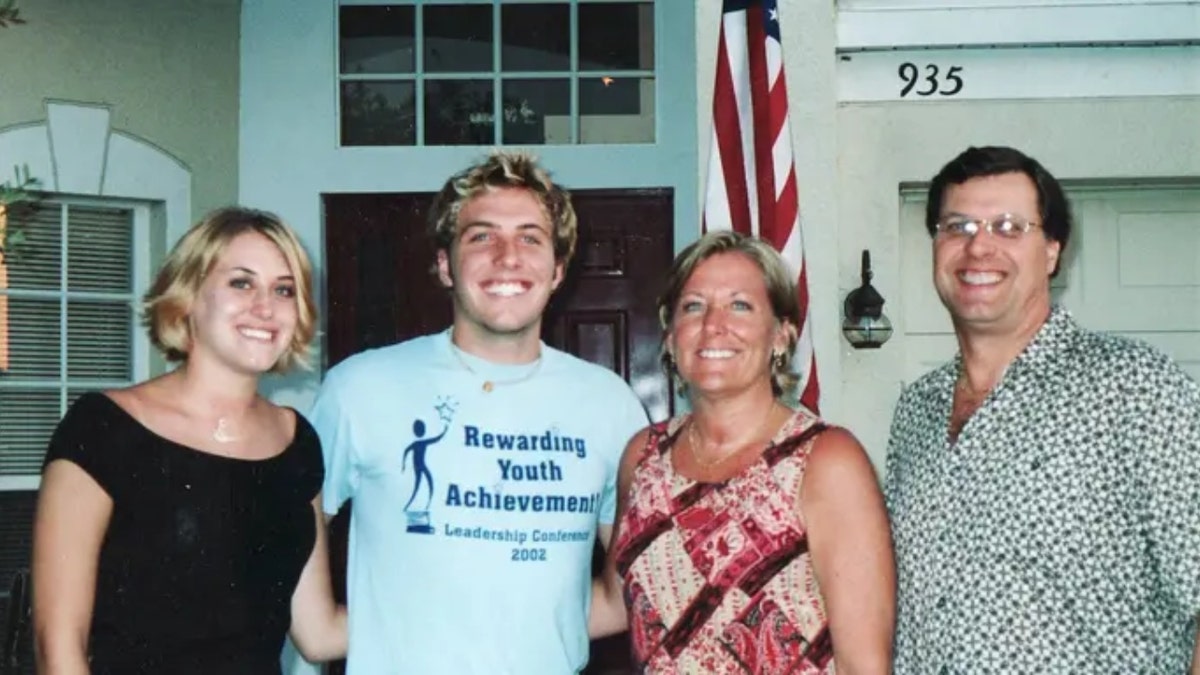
x=1132, y=268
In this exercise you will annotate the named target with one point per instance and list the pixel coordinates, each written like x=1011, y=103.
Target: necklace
x=695, y=440
x=222, y=432
x=490, y=385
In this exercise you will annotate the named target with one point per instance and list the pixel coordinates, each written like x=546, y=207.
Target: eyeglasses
x=1005, y=226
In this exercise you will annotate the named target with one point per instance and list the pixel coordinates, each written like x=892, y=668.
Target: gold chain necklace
x=490, y=385
x=695, y=440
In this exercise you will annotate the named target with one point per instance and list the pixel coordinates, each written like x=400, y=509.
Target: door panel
x=380, y=291
x=605, y=310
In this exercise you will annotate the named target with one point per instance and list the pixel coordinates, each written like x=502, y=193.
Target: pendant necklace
x=222, y=433
x=490, y=385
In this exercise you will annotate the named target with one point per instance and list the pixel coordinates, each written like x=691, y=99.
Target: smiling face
x=244, y=314
x=500, y=268
x=723, y=331
x=991, y=285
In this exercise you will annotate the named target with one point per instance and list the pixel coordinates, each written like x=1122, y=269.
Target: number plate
x=1078, y=72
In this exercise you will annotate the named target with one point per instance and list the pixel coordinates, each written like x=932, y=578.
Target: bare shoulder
x=635, y=449
x=282, y=417
x=140, y=399
x=837, y=460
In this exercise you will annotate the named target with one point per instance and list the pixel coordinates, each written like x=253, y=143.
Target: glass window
x=616, y=36
x=498, y=72
x=457, y=38
x=68, y=321
x=377, y=39
x=535, y=37
x=459, y=112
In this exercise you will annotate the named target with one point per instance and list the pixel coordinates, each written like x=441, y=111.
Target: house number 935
x=929, y=80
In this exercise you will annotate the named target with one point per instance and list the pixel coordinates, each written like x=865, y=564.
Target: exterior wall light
x=865, y=325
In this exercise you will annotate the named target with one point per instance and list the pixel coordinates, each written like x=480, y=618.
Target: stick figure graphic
x=418, y=448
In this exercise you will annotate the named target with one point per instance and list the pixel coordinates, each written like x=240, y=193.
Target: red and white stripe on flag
x=751, y=175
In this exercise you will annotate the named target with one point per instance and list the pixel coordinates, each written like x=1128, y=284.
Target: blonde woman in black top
x=177, y=527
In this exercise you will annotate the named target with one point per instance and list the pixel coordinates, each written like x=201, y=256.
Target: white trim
x=143, y=264
x=951, y=26
x=78, y=144
x=89, y=158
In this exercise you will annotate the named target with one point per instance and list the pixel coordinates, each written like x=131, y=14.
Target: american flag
x=751, y=175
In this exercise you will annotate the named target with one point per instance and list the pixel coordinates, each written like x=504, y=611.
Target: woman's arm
x=851, y=546
x=607, y=615
x=1196, y=655
x=319, y=628
x=72, y=516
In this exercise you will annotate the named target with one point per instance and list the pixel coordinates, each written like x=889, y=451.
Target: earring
x=777, y=359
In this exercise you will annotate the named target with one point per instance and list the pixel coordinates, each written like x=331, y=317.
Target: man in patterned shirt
x=1044, y=485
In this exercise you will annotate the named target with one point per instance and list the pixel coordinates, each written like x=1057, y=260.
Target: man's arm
x=1162, y=430
x=607, y=615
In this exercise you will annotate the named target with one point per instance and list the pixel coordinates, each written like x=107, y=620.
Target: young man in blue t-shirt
x=482, y=463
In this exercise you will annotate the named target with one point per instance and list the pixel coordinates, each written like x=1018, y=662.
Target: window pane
x=378, y=113
x=27, y=419
x=459, y=112
x=616, y=36
x=458, y=38
x=616, y=110
x=99, y=249
x=537, y=112
x=376, y=39
x=29, y=338
x=36, y=263
x=535, y=37
x=99, y=341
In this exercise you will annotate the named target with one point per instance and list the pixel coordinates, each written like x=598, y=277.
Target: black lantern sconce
x=865, y=325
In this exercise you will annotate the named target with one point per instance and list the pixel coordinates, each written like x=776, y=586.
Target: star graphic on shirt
x=773, y=15
x=445, y=409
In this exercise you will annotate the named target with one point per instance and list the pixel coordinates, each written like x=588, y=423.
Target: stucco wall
x=883, y=145
x=852, y=158
x=168, y=71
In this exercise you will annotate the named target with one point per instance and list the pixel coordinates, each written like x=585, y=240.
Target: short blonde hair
x=166, y=306
x=781, y=291
x=505, y=169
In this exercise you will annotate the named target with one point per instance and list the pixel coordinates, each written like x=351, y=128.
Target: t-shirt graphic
x=418, y=520
x=469, y=504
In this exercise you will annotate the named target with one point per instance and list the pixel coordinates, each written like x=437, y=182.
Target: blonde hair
x=505, y=169
x=166, y=306
x=781, y=292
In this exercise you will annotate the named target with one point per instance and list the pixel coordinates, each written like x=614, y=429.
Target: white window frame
x=497, y=74
x=140, y=261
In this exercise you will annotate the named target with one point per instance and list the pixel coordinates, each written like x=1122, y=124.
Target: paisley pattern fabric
x=1060, y=533
x=718, y=577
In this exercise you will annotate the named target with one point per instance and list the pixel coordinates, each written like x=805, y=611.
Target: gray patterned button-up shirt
x=1061, y=532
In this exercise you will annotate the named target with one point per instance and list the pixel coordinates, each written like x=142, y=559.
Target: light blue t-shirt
x=474, y=513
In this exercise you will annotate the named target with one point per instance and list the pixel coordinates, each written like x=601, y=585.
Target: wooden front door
x=380, y=290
